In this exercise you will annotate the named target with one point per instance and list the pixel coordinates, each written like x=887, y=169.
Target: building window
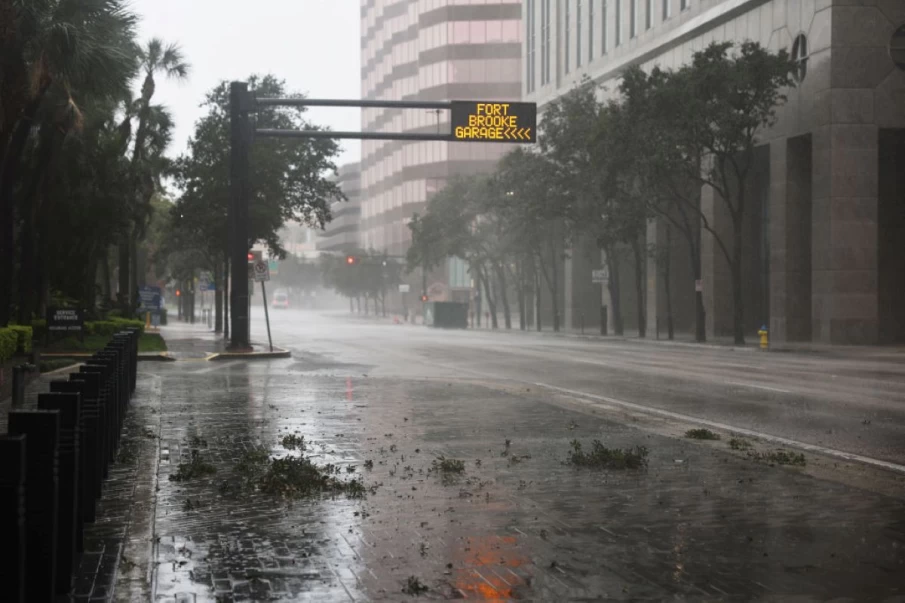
x=666, y=9
x=897, y=47
x=568, y=38
x=800, y=56
x=591, y=30
x=618, y=22
x=529, y=76
x=578, y=33
x=649, y=15
x=603, y=28
x=545, y=42
x=632, y=18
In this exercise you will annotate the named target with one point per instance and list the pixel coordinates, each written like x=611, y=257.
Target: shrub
x=9, y=341
x=112, y=326
x=38, y=329
x=24, y=338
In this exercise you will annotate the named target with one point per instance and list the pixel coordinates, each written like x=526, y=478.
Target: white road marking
x=769, y=389
x=217, y=366
x=847, y=456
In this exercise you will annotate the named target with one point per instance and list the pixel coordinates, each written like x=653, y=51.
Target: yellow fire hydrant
x=764, y=337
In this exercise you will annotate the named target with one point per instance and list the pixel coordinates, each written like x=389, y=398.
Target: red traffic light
x=351, y=259
x=251, y=257
x=424, y=298
x=178, y=292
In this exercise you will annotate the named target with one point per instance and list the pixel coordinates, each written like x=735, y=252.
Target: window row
x=587, y=29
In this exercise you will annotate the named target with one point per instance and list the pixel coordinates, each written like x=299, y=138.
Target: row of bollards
x=53, y=463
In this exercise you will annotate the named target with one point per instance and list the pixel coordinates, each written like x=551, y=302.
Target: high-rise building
x=824, y=251
x=342, y=233
x=429, y=50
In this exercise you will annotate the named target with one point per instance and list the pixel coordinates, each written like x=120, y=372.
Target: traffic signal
x=424, y=298
x=251, y=257
x=351, y=260
x=178, y=292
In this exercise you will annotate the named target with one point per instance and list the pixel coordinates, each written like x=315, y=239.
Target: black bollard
x=42, y=428
x=67, y=510
x=12, y=517
x=112, y=392
x=91, y=375
x=18, y=393
x=135, y=332
x=89, y=482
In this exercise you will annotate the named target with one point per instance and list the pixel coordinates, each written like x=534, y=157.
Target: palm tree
x=156, y=58
x=76, y=47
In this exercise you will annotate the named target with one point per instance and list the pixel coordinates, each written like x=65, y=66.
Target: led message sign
x=486, y=121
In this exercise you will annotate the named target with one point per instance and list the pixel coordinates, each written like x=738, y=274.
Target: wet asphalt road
x=702, y=521
x=852, y=401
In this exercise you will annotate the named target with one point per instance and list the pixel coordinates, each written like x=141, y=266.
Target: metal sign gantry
x=472, y=121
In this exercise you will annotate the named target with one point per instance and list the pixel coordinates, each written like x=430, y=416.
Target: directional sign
x=403, y=288
x=261, y=271
x=487, y=121
x=600, y=276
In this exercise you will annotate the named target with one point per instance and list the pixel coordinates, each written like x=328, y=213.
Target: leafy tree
x=151, y=138
x=531, y=211
x=50, y=50
x=664, y=169
x=287, y=177
x=717, y=106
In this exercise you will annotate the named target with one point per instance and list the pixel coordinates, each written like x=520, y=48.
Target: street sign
x=405, y=288
x=261, y=271
x=150, y=297
x=601, y=276
x=274, y=266
x=68, y=320
x=206, y=282
x=487, y=121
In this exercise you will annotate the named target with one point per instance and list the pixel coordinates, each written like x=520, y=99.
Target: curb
x=276, y=353
x=160, y=357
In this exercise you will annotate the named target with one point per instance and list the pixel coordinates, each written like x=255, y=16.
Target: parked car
x=280, y=300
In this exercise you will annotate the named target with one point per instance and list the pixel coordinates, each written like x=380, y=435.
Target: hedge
x=9, y=341
x=112, y=326
x=24, y=338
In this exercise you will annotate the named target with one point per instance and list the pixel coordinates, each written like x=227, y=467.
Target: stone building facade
x=825, y=239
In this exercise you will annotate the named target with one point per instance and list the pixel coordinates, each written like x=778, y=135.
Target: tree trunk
x=504, y=296
x=551, y=277
x=123, y=293
x=738, y=310
x=9, y=176
x=538, y=321
x=667, y=288
x=105, y=275
x=218, y=299
x=520, y=285
x=226, y=298
x=488, y=295
x=640, y=260
x=613, y=287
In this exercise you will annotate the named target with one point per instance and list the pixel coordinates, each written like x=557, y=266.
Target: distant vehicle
x=280, y=300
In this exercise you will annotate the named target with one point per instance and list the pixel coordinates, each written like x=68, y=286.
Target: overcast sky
x=312, y=44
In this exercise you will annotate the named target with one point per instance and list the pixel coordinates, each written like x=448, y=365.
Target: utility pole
x=240, y=103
